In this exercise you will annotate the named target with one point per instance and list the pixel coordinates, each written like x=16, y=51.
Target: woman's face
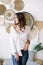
x=16, y=22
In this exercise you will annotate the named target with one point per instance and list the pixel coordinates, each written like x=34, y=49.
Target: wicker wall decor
x=2, y=9
x=29, y=19
x=9, y=14
x=18, y=5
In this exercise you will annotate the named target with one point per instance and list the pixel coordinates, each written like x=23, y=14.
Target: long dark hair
x=22, y=19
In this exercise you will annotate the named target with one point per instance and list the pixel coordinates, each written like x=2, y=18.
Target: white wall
x=35, y=7
x=4, y=43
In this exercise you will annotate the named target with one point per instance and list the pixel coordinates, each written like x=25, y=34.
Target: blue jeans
x=23, y=59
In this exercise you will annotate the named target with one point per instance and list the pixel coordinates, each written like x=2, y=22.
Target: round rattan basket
x=18, y=5
x=29, y=19
x=9, y=14
x=2, y=9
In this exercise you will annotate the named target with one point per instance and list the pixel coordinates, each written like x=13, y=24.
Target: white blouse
x=18, y=40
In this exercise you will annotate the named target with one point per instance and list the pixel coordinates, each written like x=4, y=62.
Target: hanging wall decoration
x=29, y=19
x=6, y=1
x=9, y=14
x=2, y=21
x=2, y=9
x=18, y=5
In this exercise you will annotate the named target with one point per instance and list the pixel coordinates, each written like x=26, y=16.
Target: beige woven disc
x=2, y=9
x=29, y=19
x=9, y=14
x=19, y=5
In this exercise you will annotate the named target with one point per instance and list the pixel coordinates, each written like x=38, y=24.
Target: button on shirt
x=18, y=40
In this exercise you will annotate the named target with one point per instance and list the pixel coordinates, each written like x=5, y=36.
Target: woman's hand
x=27, y=45
x=28, y=41
x=16, y=56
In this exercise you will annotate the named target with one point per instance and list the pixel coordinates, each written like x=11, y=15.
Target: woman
x=19, y=40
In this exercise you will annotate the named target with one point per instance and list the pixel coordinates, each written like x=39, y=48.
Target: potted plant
x=38, y=47
x=38, y=54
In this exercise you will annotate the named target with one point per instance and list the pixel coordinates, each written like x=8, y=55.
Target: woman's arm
x=27, y=45
x=13, y=47
x=28, y=40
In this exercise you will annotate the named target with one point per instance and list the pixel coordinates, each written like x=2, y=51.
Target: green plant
x=38, y=47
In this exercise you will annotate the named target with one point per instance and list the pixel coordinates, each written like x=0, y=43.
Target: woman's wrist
x=28, y=41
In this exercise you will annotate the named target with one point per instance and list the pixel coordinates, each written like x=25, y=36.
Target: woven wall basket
x=19, y=5
x=29, y=19
x=2, y=9
x=9, y=14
